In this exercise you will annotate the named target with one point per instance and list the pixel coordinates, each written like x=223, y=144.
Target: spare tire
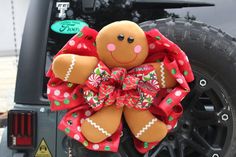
x=208, y=125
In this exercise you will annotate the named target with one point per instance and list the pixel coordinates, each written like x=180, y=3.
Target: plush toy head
x=118, y=46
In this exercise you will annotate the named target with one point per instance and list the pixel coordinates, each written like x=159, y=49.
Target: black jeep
x=208, y=125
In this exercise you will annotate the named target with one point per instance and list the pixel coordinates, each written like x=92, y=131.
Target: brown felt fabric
x=84, y=66
x=123, y=55
x=137, y=119
x=108, y=118
x=170, y=81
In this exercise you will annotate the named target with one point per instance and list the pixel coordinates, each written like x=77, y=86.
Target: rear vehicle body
x=213, y=90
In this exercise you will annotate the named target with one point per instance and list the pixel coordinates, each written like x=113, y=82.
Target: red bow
x=166, y=105
x=136, y=88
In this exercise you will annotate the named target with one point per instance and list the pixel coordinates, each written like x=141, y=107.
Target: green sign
x=68, y=26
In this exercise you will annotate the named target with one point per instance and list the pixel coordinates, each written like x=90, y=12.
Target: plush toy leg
x=144, y=125
x=102, y=124
x=74, y=68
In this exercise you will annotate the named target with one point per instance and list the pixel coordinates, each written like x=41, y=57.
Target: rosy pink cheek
x=111, y=47
x=137, y=49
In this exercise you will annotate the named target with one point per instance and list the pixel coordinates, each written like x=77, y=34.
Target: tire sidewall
x=206, y=50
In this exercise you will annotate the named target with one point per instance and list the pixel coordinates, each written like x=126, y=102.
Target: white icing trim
x=163, y=82
x=98, y=127
x=70, y=68
x=146, y=127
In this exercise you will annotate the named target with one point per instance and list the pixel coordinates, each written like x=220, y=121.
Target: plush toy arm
x=166, y=48
x=73, y=68
x=164, y=77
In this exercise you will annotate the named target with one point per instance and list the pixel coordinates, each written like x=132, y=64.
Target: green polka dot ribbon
x=145, y=145
x=158, y=37
x=74, y=115
x=67, y=130
x=185, y=73
x=107, y=148
x=74, y=96
x=57, y=103
x=170, y=118
x=85, y=143
x=173, y=71
x=69, y=84
x=169, y=101
x=66, y=101
x=80, y=34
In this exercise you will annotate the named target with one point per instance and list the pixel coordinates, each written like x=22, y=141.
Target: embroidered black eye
x=120, y=37
x=130, y=39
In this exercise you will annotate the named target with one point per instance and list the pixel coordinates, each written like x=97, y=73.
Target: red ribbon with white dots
x=166, y=105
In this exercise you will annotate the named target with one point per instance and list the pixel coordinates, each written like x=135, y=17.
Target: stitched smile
x=123, y=62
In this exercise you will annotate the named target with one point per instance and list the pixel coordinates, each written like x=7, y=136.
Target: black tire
x=212, y=54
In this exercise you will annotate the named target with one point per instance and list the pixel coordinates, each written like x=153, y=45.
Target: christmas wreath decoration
x=120, y=70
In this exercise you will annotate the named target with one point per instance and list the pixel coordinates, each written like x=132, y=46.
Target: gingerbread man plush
x=121, y=70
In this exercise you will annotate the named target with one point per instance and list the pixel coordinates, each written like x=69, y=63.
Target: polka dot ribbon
x=166, y=105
